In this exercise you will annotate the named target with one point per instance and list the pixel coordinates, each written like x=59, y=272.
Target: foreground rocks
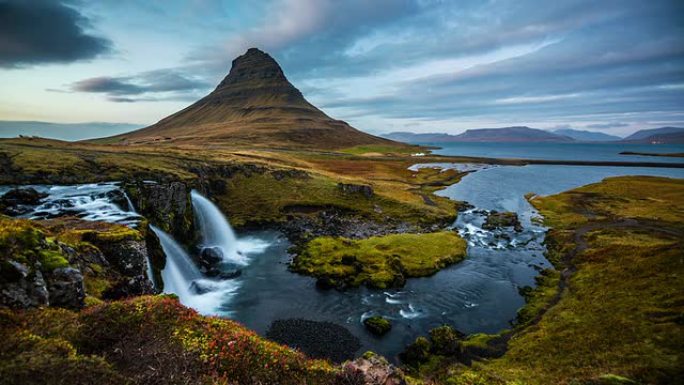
x=60, y=262
x=372, y=369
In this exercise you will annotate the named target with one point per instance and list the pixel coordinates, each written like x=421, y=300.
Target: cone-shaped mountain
x=254, y=105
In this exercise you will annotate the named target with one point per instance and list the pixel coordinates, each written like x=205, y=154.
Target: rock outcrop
x=20, y=200
x=166, y=205
x=59, y=262
x=372, y=369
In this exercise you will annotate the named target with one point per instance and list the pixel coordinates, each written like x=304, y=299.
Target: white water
x=182, y=277
x=215, y=229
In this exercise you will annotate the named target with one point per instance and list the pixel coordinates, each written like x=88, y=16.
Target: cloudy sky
x=382, y=65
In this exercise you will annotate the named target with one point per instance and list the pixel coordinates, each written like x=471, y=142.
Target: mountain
x=505, y=134
x=254, y=105
x=62, y=131
x=410, y=137
x=586, y=136
x=657, y=135
x=510, y=134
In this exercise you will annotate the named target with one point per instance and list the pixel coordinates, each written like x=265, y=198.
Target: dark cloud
x=43, y=31
x=147, y=86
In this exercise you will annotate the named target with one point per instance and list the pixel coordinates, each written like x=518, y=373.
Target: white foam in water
x=215, y=229
x=182, y=278
x=411, y=313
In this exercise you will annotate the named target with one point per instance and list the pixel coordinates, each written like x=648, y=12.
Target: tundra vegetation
x=610, y=310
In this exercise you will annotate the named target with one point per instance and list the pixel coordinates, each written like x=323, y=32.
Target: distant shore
x=671, y=155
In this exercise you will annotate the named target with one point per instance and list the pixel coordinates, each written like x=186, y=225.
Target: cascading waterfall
x=182, y=277
x=215, y=229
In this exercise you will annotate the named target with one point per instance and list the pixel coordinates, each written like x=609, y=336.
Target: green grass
x=379, y=262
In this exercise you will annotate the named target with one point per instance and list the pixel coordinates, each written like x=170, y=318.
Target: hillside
x=586, y=136
x=663, y=135
x=254, y=105
x=504, y=134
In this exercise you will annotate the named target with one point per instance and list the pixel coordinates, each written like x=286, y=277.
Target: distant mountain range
x=586, y=136
x=522, y=134
x=505, y=134
x=63, y=131
x=665, y=135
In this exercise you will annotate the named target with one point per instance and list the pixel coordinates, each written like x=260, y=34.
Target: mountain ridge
x=511, y=134
x=657, y=135
x=586, y=136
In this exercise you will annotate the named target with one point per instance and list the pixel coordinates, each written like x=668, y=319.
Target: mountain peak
x=253, y=65
x=254, y=105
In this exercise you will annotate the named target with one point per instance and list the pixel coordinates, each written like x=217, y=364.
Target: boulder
x=349, y=188
x=377, y=325
x=497, y=220
x=20, y=200
x=20, y=287
x=65, y=288
x=210, y=256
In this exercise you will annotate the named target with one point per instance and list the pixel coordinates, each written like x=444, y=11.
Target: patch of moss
x=377, y=325
x=51, y=260
x=379, y=262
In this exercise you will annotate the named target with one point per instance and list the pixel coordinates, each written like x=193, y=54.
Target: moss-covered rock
x=497, y=220
x=377, y=325
x=60, y=261
x=378, y=262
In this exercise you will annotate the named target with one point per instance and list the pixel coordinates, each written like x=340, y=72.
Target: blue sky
x=382, y=65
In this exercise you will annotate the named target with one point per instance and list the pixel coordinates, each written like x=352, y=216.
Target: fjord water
x=563, y=151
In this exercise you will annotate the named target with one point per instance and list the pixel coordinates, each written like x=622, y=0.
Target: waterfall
x=215, y=229
x=182, y=277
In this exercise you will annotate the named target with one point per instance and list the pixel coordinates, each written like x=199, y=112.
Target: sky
x=381, y=65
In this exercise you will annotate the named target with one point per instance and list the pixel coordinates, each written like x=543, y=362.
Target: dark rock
x=20, y=287
x=130, y=287
x=497, y=220
x=65, y=288
x=349, y=188
x=377, y=325
x=324, y=340
x=210, y=256
x=19, y=201
x=222, y=272
x=166, y=205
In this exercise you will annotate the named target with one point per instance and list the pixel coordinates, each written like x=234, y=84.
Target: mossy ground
x=382, y=261
x=618, y=318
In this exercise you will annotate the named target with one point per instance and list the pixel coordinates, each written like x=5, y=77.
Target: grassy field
x=379, y=262
x=254, y=191
x=613, y=312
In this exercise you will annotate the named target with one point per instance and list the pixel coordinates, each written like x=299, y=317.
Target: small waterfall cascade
x=215, y=229
x=182, y=277
x=180, y=270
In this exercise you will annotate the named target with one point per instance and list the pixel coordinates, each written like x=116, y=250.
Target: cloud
x=45, y=31
x=168, y=84
x=607, y=125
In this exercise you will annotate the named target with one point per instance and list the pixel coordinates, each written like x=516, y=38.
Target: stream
x=479, y=294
